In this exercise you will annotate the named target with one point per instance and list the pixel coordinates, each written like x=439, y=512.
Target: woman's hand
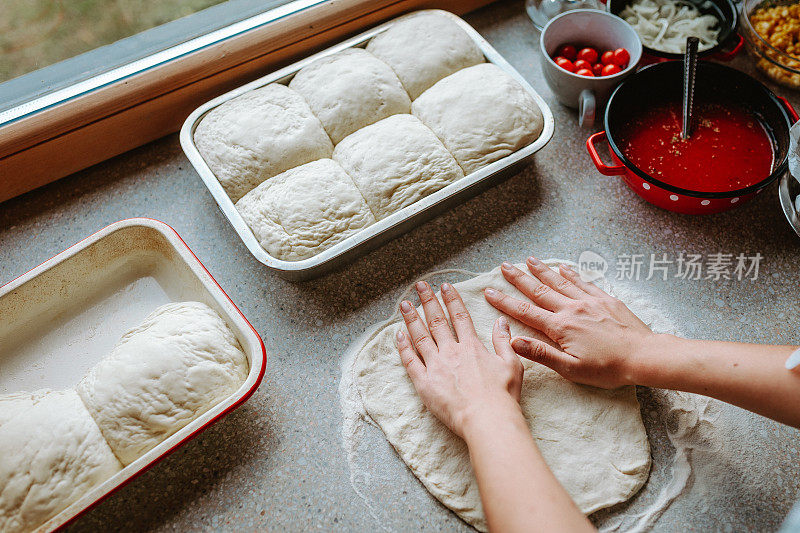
x=476, y=394
x=602, y=342
x=459, y=380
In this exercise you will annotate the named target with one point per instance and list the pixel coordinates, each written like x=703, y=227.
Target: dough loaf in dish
x=481, y=114
x=181, y=361
x=51, y=454
x=305, y=210
x=593, y=439
x=349, y=90
x=423, y=48
x=258, y=135
x=396, y=162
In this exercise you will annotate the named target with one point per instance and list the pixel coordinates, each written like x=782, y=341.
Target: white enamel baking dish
x=62, y=317
x=391, y=226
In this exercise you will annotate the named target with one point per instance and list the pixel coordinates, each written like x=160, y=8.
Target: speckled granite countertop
x=277, y=462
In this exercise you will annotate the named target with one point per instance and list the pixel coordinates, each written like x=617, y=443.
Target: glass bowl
x=777, y=64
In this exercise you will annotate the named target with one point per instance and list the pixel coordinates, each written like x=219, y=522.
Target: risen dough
x=395, y=162
x=350, y=90
x=481, y=114
x=592, y=439
x=51, y=454
x=423, y=48
x=181, y=361
x=305, y=210
x=258, y=135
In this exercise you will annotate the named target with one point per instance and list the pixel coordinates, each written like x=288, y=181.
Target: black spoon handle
x=689, y=70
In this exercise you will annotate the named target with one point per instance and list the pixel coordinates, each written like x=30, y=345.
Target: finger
x=542, y=353
x=526, y=312
x=501, y=340
x=554, y=280
x=585, y=286
x=539, y=292
x=420, y=336
x=459, y=316
x=434, y=314
x=414, y=365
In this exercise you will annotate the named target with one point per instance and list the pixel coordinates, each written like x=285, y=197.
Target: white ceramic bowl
x=588, y=27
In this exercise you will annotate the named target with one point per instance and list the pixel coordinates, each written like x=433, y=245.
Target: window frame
x=114, y=112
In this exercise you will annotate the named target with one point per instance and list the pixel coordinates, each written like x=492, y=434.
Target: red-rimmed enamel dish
x=63, y=316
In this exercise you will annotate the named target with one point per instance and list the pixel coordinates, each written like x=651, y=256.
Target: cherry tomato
x=621, y=57
x=582, y=63
x=565, y=63
x=611, y=69
x=597, y=69
x=568, y=51
x=585, y=72
x=588, y=54
x=607, y=58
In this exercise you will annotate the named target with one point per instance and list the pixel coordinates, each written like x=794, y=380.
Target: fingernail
x=503, y=323
x=793, y=361
x=505, y=265
x=567, y=268
x=405, y=307
x=400, y=335
x=446, y=287
x=490, y=292
x=420, y=285
x=534, y=260
x=519, y=345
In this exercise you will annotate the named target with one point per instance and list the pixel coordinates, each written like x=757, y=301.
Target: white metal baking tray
x=62, y=317
x=392, y=226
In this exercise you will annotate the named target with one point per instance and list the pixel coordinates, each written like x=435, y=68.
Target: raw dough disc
x=179, y=363
x=593, y=439
x=396, y=162
x=258, y=135
x=305, y=210
x=422, y=48
x=51, y=454
x=481, y=114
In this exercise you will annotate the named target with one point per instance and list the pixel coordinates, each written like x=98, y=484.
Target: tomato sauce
x=728, y=148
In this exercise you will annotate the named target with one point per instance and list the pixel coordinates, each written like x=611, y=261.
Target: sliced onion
x=664, y=25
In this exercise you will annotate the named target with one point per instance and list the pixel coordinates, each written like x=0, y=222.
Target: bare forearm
x=750, y=376
x=518, y=490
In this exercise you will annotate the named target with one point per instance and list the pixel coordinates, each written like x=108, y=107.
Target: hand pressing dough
x=396, y=162
x=181, y=361
x=481, y=114
x=258, y=135
x=350, y=90
x=51, y=454
x=593, y=439
x=423, y=48
x=305, y=210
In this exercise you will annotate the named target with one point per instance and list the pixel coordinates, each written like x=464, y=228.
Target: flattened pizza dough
x=51, y=454
x=349, y=90
x=181, y=361
x=423, y=48
x=481, y=114
x=593, y=439
x=396, y=162
x=258, y=135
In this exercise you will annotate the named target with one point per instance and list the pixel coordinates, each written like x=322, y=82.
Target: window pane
x=47, y=45
x=37, y=33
